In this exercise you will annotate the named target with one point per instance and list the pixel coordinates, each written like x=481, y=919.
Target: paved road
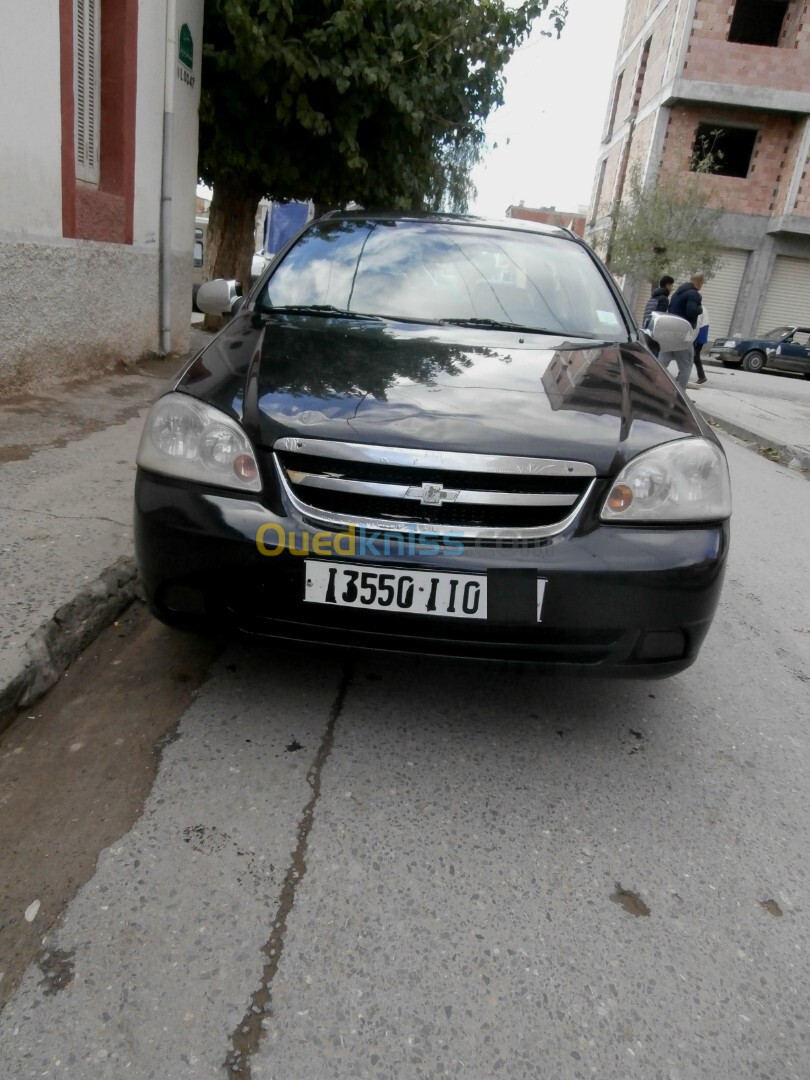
x=773, y=408
x=404, y=868
x=773, y=384
x=765, y=386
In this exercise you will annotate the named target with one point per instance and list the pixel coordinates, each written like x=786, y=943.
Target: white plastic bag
x=670, y=332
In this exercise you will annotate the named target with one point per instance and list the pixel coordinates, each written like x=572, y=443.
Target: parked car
x=783, y=349
x=435, y=434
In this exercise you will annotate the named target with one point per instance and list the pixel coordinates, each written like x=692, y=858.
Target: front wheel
x=754, y=360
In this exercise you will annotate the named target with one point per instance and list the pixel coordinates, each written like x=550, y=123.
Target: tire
x=753, y=360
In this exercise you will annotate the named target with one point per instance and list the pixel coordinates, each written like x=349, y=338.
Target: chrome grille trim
x=434, y=459
x=404, y=491
x=292, y=481
x=313, y=515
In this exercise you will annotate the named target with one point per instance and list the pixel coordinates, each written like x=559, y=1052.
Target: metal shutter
x=87, y=52
x=644, y=293
x=720, y=294
x=787, y=301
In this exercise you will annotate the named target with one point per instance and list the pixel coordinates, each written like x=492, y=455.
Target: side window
x=86, y=69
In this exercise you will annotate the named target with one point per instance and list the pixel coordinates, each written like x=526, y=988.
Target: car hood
x=439, y=387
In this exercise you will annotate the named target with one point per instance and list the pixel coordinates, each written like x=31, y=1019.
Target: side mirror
x=670, y=332
x=218, y=297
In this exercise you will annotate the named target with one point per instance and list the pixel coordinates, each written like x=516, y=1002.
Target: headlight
x=729, y=344
x=685, y=480
x=184, y=437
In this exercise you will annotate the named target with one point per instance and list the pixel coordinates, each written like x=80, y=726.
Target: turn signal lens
x=245, y=467
x=620, y=498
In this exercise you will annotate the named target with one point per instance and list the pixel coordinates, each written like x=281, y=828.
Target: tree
x=377, y=101
x=668, y=227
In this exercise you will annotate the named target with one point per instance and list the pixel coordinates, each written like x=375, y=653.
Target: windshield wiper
x=316, y=309
x=496, y=324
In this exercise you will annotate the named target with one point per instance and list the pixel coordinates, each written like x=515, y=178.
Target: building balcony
x=790, y=223
x=744, y=76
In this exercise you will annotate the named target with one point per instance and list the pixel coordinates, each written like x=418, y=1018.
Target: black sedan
x=435, y=434
x=787, y=348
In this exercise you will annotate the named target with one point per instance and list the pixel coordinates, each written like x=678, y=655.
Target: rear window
x=430, y=271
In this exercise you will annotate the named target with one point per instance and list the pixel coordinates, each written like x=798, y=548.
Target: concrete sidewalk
x=66, y=480
x=771, y=411
x=67, y=471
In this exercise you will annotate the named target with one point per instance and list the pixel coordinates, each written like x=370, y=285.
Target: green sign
x=186, y=51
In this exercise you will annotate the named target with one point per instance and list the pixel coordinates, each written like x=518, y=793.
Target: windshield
x=779, y=332
x=437, y=271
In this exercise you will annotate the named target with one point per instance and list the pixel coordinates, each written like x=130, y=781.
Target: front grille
x=455, y=517
x=396, y=488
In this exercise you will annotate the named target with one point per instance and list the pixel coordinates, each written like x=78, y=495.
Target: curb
x=69, y=631
x=795, y=457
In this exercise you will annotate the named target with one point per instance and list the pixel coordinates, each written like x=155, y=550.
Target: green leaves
x=669, y=227
x=354, y=99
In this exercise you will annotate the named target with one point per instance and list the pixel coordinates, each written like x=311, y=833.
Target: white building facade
x=82, y=179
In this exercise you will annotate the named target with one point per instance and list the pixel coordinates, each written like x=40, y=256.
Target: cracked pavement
x=407, y=868
x=415, y=868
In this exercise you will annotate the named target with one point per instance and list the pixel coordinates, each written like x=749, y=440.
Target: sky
x=549, y=128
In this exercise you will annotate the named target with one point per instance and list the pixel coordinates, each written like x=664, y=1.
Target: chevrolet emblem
x=431, y=494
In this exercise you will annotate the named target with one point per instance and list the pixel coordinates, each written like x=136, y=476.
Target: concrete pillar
x=754, y=288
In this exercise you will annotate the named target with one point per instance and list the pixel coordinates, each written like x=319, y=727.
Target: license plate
x=419, y=592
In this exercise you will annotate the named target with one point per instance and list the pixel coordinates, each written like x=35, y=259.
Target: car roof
x=512, y=224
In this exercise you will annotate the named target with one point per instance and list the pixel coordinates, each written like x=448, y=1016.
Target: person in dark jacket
x=687, y=303
x=659, y=301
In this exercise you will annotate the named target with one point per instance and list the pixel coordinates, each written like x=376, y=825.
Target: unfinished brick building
x=738, y=73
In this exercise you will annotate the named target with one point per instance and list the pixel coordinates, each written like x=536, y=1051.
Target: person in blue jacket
x=700, y=341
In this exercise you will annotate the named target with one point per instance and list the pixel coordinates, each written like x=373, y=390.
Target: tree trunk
x=231, y=223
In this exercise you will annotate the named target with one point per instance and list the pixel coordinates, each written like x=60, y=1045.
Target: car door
x=794, y=354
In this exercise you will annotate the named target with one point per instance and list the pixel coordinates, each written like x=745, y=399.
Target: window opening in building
x=723, y=150
x=598, y=196
x=642, y=71
x=616, y=95
x=758, y=22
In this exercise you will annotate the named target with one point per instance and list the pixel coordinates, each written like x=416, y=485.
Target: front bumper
x=618, y=600
x=727, y=355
